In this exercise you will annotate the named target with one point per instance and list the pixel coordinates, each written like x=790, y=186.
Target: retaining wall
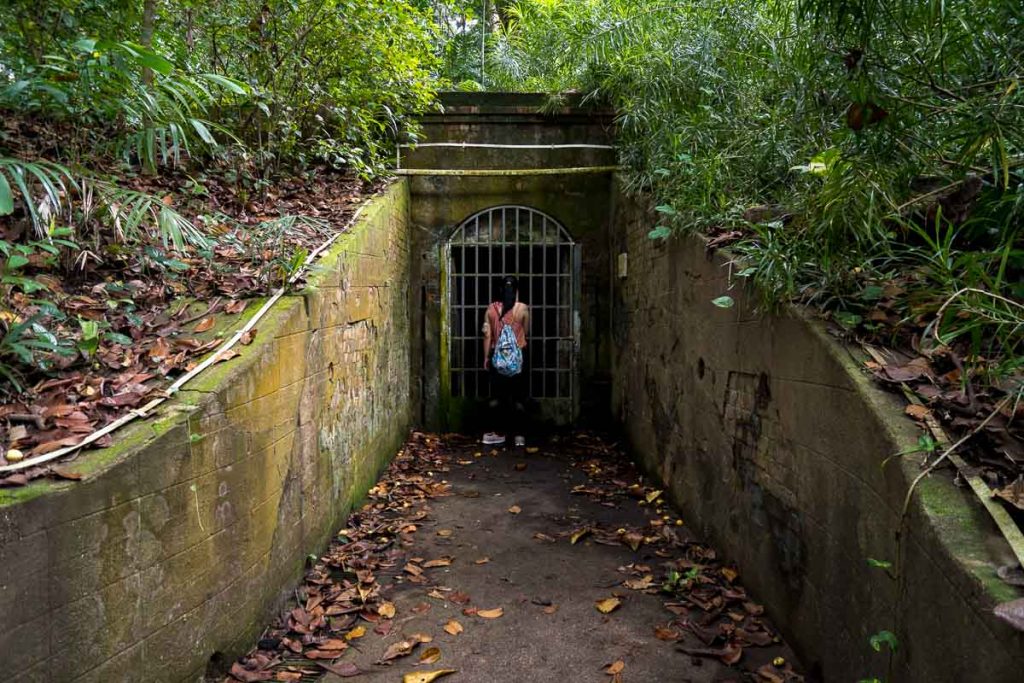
x=185, y=536
x=771, y=438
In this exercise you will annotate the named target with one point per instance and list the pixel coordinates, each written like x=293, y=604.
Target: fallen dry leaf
x=401, y=648
x=387, y=610
x=917, y=411
x=357, y=632
x=227, y=354
x=483, y=560
x=235, y=307
x=440, y=562
x=453, y=627
x=515, y=509
x=640, y=584
x=430, y=655
x=615, y=667
x=652, y=496
x=1012, y=613
x=550, y=609
x=608, y=605
x=769, y=674
x=577, y=535
x=490, y=613
x=633, y=539
x=426, y=676
x=241, y=673
x=444, y=533
x=288, y=676
x=205, y=324
x=666, y=633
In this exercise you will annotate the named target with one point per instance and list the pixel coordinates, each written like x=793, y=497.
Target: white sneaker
x=520, y=441
x=492, y=439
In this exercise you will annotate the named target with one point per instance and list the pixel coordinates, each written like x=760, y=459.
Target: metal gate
x=520, y=241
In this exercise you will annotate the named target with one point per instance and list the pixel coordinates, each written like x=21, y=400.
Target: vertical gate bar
x=476, y=303
x=558, y=313
x=544, y=301
x=576, y=281
x=531, y=389
x=444, y=358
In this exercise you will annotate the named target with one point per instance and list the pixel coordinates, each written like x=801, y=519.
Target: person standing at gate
x=505, y=329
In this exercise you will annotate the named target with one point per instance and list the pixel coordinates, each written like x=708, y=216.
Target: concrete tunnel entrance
x=538, y=250
x=179, y=542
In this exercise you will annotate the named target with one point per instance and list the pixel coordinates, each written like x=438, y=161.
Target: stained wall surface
x=771, y=438
x=185, y=536
x=581, y=203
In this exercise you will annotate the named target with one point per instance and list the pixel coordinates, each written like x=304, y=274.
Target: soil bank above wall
x=770, y=437
x=183, y=537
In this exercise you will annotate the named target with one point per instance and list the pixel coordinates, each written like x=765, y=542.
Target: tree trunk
x=146, y=40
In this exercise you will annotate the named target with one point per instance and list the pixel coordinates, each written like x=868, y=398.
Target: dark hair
x=509, y=290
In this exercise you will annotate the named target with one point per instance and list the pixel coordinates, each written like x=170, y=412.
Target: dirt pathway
x=552, y=563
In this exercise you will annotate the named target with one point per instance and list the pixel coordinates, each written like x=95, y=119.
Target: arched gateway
x=520, y=241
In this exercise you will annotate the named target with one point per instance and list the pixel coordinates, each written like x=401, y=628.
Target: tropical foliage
x=857, y=149
x=110, y=107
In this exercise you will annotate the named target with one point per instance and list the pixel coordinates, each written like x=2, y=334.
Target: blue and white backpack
x=508, y=357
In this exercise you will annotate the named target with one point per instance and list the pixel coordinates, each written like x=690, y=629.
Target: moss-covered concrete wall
x=186, y=535
x=771, y=438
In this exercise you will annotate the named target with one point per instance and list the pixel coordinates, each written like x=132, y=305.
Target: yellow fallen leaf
x=421, y=637
x=490, y=613
x=729, y=574
x=918, y=412
x=426, y=676
x=578, y=535
x=550, y=609
x=533, y=449
x=615, y=667
x=515, y=509
x=607, y=605
x=444, y=533
x=640, y=584
x=483, y=560
x=357, y=632
x=430, y=655
x=387, y=610
x=453, y=628
x=652, y=496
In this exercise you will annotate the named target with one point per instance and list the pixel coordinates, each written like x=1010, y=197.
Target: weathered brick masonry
x=184, y=537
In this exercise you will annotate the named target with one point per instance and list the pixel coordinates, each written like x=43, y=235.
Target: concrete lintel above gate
x=525, y=130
